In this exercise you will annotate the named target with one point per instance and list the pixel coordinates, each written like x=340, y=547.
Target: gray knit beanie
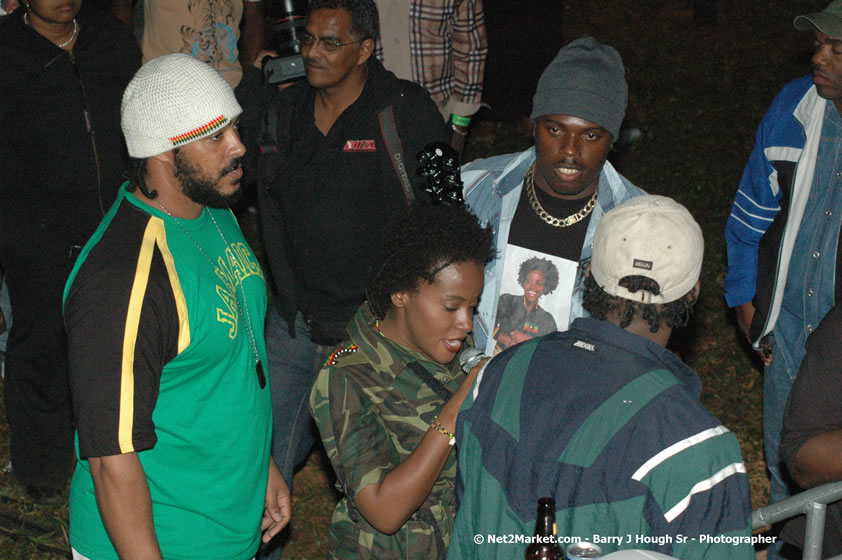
x=586, y=79
x=173, y=100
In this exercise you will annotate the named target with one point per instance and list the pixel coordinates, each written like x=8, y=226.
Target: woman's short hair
x=545, y=266
x=418, y=242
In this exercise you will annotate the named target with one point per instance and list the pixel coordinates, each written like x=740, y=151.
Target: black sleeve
x=250, y=95
x=129, y=51
x=505, y=303
x=118, y=50
x=265, y=125
x=122, y=327
x=813, y=404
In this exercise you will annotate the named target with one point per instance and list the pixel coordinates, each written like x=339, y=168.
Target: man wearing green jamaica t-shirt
x=164, y=312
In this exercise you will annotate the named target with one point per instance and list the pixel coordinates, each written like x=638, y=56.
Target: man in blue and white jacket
x=784, y=226
x=547, y=200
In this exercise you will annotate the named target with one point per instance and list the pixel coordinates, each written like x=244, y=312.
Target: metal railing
x=811, y=502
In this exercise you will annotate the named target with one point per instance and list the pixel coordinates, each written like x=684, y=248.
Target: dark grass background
x=698, y=89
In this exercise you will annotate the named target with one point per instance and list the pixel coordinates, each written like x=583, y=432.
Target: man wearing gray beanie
x=545, y=202
x=164, y=313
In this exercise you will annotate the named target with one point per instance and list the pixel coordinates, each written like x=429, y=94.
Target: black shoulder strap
x=277, y=117
x=268, y=139
x=273, y=138
x=433, y=383
x=393, y=144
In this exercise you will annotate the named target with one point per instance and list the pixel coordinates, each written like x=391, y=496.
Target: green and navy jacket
x=610, y=425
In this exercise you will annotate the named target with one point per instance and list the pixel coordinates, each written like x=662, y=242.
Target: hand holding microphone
x=469, y=358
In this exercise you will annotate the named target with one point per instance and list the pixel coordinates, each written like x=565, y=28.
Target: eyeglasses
x=308, y=40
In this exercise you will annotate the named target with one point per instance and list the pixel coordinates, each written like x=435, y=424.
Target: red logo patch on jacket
x=359, y=146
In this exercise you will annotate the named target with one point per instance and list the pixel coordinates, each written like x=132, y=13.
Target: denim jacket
x=766, y=215
x=492, y=191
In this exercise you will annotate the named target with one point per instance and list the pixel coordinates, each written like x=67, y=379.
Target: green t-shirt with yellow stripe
x=161, y=364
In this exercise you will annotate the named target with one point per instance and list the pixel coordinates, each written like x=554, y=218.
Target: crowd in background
x=377, y=287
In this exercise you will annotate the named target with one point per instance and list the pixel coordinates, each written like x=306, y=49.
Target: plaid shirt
x=448, y=47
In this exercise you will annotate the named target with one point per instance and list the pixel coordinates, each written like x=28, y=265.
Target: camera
x=288, y=65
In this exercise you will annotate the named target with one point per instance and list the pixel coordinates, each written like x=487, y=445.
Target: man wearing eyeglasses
x=327, y=181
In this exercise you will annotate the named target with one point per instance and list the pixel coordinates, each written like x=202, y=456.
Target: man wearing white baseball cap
x=603, y=418
x=164, y=312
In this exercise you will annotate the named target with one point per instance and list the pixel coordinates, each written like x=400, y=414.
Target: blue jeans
x=778, y=379
x=6, y=309
x=293, y=364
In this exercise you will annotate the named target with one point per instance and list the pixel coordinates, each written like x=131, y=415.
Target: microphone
x=469, y=357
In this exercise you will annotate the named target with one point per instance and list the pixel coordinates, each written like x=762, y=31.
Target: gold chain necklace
x=546, y=216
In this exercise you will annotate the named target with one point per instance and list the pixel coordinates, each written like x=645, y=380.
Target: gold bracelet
x=436, y=425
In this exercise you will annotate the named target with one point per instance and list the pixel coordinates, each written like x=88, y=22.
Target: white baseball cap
x=651, y=236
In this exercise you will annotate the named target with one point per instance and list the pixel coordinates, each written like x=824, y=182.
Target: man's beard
x=199, y=188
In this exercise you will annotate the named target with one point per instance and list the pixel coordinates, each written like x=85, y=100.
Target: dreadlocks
x=137, y=178
x=675, y=313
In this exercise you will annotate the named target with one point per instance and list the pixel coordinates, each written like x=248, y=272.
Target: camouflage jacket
x=372, y=411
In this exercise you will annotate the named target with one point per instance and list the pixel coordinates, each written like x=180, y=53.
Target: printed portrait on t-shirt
x=534, y=297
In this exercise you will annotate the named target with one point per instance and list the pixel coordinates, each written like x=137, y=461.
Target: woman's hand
x=389, y=504
x=447, y=416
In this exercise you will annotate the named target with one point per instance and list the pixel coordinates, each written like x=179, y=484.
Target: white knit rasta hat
x=171, y=101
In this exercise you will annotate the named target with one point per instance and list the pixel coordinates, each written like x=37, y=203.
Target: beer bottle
x=545, y=546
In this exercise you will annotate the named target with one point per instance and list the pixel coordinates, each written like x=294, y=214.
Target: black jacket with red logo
x=324, y=199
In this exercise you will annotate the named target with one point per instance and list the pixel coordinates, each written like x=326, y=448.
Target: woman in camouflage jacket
x=386, y=404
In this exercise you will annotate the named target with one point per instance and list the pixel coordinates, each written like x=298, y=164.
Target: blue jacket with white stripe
x=770, y=202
